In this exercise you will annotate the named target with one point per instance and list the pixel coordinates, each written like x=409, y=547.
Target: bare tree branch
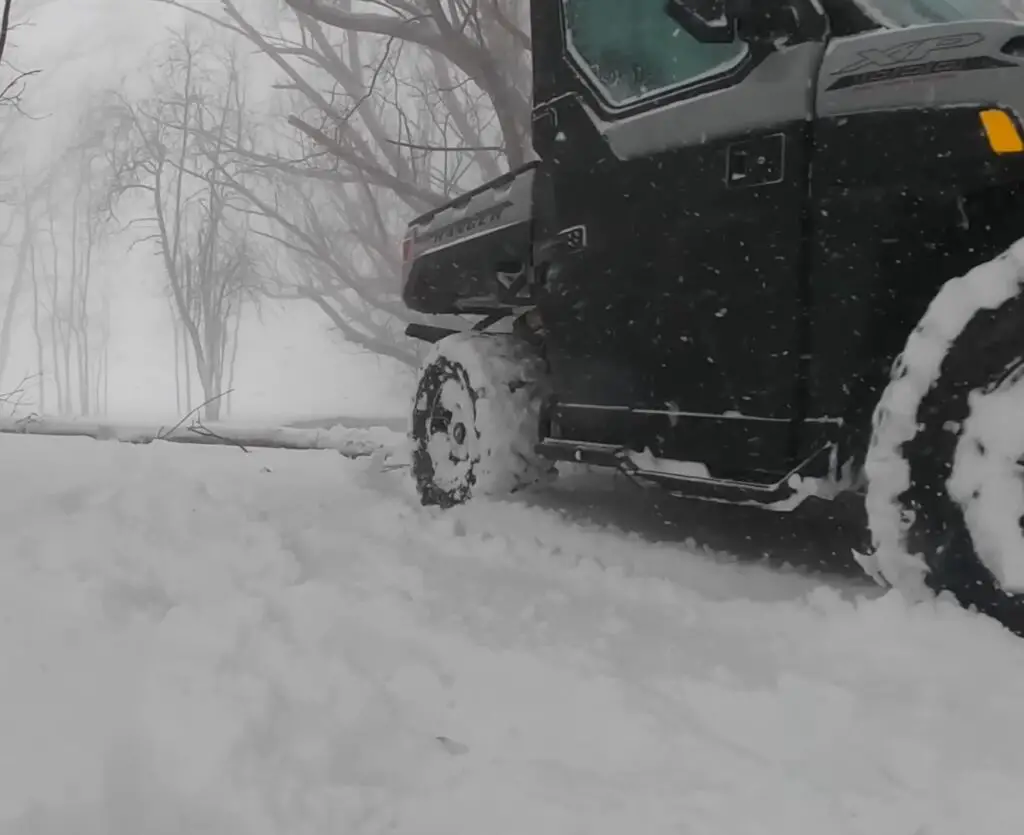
x=390, y=107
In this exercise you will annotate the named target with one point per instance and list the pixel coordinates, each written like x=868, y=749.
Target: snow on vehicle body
x=737, y=221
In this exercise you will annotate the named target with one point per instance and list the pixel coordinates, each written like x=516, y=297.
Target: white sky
x=291, y=364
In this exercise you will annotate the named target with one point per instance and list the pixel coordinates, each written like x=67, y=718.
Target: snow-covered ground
x=197, y=640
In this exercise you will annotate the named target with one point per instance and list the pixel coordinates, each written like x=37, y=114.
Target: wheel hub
x=452, y=440
x=450, y=426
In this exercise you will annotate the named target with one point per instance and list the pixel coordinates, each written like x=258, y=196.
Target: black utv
x=768, y=252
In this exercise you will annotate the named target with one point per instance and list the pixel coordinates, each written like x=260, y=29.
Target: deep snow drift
x=196, y=640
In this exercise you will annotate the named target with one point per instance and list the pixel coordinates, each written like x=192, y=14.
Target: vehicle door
x=678, y=175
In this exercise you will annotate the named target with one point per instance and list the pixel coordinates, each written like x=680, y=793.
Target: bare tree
x=85, y=227
x=16, y=194
x=13, y=81
x=174, y=149
x=61, y=240
x=17, y=286
x=37, y=323
x=391, y=112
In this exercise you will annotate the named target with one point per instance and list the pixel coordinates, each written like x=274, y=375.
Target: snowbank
x=201, y=641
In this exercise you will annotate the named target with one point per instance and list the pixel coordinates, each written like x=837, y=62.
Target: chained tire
x=945, y=467
x=476, y=419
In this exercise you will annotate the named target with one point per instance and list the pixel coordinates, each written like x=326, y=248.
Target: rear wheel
x=476, y=419
x=946, y=464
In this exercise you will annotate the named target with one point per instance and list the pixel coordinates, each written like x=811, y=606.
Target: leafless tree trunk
x=37, y=330
x=176, y=333
x=101, y=390
x=57, y=319
x=5, y=26
x=232, y=364
x=187, y=372
x=83, y=241
x=17, y=285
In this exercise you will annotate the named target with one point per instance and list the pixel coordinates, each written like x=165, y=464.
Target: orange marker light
x=1002, y=133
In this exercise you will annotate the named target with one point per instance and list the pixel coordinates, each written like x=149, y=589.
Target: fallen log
x=351, y=443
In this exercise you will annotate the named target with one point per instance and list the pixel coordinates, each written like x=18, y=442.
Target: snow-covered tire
x=476, y=419
x=945, y=495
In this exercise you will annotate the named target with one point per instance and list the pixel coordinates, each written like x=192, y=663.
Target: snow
x=497, y=454
x=204, y=641
x=453, y=461
x=985, y=287
x=986, y=481
x=649, y=463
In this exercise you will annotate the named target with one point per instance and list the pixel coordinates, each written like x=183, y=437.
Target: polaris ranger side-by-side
x=766, y=253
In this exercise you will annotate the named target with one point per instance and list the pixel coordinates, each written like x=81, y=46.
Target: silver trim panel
x=777, y=91
x=918, y=67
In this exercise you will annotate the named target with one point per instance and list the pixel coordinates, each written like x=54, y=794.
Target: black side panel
x=690, y=302
x=678, y=328
x=904, y=200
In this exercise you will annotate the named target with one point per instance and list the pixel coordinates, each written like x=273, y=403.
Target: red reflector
x=406, y=249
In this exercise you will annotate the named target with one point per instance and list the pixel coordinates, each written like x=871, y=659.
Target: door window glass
x=632, y=48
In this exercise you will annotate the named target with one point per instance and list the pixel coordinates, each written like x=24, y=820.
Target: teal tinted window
x=633, y=49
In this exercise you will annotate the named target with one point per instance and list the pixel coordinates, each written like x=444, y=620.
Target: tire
x=476, y=419
x=945, y=493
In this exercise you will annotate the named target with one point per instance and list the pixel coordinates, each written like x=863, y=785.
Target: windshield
x=917, y=12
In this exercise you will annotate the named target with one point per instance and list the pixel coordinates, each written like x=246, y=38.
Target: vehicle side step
x=784, y=494
x=582, y=452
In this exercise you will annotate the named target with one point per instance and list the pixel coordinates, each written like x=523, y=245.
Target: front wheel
x=476, y=419
x=946, y=464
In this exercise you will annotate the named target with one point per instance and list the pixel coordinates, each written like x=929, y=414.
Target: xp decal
x=913, y=59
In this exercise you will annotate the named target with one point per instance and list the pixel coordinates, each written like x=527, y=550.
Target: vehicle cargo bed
x=463, y=256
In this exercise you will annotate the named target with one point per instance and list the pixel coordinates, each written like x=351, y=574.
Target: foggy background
x=91, y=323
